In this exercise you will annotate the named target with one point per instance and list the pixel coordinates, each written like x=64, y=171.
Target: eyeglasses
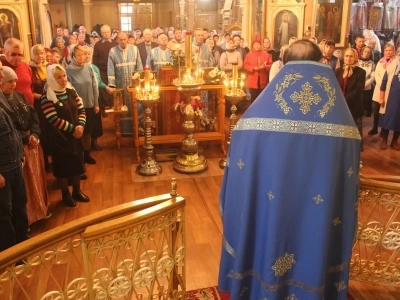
x=16, y=54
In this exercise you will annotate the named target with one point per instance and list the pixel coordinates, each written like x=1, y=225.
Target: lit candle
x=147, y=79
x=188, y=51
x=234, y=74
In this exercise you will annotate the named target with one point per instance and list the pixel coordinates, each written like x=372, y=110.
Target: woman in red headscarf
x=257, y=64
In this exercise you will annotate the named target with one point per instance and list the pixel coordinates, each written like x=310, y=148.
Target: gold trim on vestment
x=301, y=127
x=338, y=268
x=275, y=287
x=283, y=264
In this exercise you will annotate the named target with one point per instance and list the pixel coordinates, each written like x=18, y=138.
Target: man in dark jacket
x=13, y=217
x=145, y=46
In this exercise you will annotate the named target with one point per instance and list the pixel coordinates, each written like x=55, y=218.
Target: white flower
x=177, y=46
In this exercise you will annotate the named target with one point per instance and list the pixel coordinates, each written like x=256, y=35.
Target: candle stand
x=147, y=97
x=233, y=94
x=188, y=160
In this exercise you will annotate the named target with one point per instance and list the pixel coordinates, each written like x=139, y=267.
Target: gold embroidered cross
x=336, y=221
x=283, y=264
x=240, y=164
x=306, y=98
x=318, y=199
x=350, y=172
x=270, y=195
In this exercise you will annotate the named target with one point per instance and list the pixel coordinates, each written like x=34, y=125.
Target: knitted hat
x=255, y=41
x=9, y=74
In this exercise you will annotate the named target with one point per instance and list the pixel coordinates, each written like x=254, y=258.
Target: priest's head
x=303, y=50
x=122, y=40
x=199, y=36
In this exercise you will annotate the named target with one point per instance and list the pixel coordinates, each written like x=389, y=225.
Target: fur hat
x=9, y=74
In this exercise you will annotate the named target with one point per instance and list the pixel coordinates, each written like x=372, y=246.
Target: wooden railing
x=376, y=251
x=132, y=251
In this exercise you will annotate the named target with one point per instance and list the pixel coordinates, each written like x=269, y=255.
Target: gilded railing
x=376, y=251
x=131, y=251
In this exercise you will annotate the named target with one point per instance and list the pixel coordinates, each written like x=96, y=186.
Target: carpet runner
x=212, y=293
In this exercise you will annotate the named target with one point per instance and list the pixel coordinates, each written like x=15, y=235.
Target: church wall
x=58, y=16
x=106, y=12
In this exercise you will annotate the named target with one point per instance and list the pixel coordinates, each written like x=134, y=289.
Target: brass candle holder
x=148, y=96
x=188, y=160
x=233, y=94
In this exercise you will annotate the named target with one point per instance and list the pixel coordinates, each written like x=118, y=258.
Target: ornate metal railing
x=131, y=251
x=376, y=251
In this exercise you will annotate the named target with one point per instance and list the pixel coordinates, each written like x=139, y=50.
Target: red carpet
x=212, y=293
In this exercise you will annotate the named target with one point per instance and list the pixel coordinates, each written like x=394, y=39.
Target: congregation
x=47, y=109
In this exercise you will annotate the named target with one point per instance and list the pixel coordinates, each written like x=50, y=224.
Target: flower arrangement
x=178, y=58
x=215, y=75
x=196, y=109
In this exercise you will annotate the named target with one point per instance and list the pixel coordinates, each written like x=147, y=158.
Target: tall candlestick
x=188, y=51
x=147, y=79
x=235, y=74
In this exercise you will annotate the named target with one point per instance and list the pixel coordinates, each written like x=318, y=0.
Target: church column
x=245, y=11
x=45, y=32
x=190, y=21
x=68, y=15
x=87, y=4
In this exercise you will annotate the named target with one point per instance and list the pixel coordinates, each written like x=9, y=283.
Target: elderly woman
x=257, y=64
x=83, y=79
x=380, y=69
x=38, y=65
x=26, y=122
x=64, y=111
x=368, y=65
x=389, y=102
x=278, y=65
x=351, y=79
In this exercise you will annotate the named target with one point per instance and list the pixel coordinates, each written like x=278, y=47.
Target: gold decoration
x=276, y=287
x=289, y=79
x=296, y=126
x=336, y=221
x=305, y=98
x=340, y=286
x=318, y=199
x=291, y=297
x=228, y=247
x=240, y=164
x=270, y=195
x=283, y=264
x=243, y=290
x=350, y=172
x=331, y=92
x=338, y=268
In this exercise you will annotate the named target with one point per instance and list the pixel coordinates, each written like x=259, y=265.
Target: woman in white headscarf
x=389, y=101
x=64, y=111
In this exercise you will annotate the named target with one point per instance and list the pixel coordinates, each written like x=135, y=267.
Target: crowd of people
x=46, y=97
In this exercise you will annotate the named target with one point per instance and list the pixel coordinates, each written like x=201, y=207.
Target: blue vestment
x=290, y=191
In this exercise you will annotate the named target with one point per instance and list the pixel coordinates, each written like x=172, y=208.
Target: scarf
x=385, y=62
x=348, y=69
x=52, y=85
x=74, y=64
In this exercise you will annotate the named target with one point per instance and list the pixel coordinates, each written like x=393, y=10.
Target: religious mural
x=285, y=28
x=329, y=19
x=8, y=26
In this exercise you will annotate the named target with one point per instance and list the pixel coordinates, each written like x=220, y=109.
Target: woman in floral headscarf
x=351, y=79
x=387, y=59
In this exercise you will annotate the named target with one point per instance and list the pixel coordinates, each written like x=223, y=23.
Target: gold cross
x=240, y=164
x=350, y=172
x=318, y=199
x=270, y=195
x=306, y=98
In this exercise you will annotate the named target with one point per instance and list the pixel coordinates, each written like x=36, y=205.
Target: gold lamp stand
x=234, y=94
x=188, y=160
x=149, y=166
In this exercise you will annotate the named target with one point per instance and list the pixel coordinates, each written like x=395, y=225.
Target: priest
x=290, y=190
